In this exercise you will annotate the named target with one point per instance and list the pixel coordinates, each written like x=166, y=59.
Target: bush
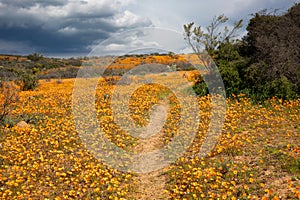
x=200, y=88
x=9, y=96
x=282, y=88
x=27, y=80
x=210, y=83
x=35, y=57
x=231, y=79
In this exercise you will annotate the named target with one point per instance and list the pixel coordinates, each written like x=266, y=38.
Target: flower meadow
x=257, y=155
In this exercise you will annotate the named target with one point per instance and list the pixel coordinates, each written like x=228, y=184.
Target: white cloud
x=129, y=19
x=173, y=15
x=68, y=30
x=141, y=40
x=54, y=16
x=114, y=47
x=82, y=24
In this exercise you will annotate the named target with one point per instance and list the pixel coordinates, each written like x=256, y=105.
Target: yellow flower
x=262, y=185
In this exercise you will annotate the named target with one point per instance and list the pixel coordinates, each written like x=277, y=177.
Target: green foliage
x=272, y=45
x=35, y=57
x=209, y=83
x=276, y=156
x=210, y=38
x=230, y=78
x=282, y=88
x=217, y=44
x=201, y=88
x=27, y=80
x=230, y=64
x=263, y=65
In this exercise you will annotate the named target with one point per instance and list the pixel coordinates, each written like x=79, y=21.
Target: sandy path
x=151, y=185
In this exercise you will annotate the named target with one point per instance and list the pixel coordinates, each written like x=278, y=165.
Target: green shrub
x=28, y=80
x=282, y=88
x=35, y=57
x=201, y=88
x=231, y=79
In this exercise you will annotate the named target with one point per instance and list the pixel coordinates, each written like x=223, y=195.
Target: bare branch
x=9, y=94
x=209, y=39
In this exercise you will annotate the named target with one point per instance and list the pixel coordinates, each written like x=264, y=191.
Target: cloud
x=9, y=47
x=77, y=26
x=140, y=40
x=30, y=3
x=173, y=15
x=129, y=19
x=65, y=26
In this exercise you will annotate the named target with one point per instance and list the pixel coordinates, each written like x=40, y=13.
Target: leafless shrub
x=111, y=80
x=9, y=96
x=59, y=81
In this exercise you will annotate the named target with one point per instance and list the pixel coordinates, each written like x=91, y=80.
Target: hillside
x=67, y=67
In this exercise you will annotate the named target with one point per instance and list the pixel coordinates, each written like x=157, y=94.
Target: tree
x=215, y=41
x=210, y=38
x=230, y=64
x=273, y=46
x=264, y=64
x=35, y=57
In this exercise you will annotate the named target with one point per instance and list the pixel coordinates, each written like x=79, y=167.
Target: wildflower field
x=257, y=155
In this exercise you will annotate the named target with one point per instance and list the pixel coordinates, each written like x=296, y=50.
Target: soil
x=151, y=184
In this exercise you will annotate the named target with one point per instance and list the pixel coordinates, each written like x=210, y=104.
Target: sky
x=70, y=28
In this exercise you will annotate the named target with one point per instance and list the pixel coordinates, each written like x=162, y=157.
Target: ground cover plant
x=256, y=157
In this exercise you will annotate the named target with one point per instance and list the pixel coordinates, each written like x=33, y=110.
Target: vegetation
x=27, y=80
x=210, y=38
x=265, y=63
x=272, y=47
x=257, y=155
x=9, y=97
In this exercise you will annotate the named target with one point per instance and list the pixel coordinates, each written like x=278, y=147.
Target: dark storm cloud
x=76, y=26
x=50, y=42
x=29, y=3
x=61, y=27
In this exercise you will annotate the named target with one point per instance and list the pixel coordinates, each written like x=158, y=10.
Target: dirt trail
x=151, y=185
